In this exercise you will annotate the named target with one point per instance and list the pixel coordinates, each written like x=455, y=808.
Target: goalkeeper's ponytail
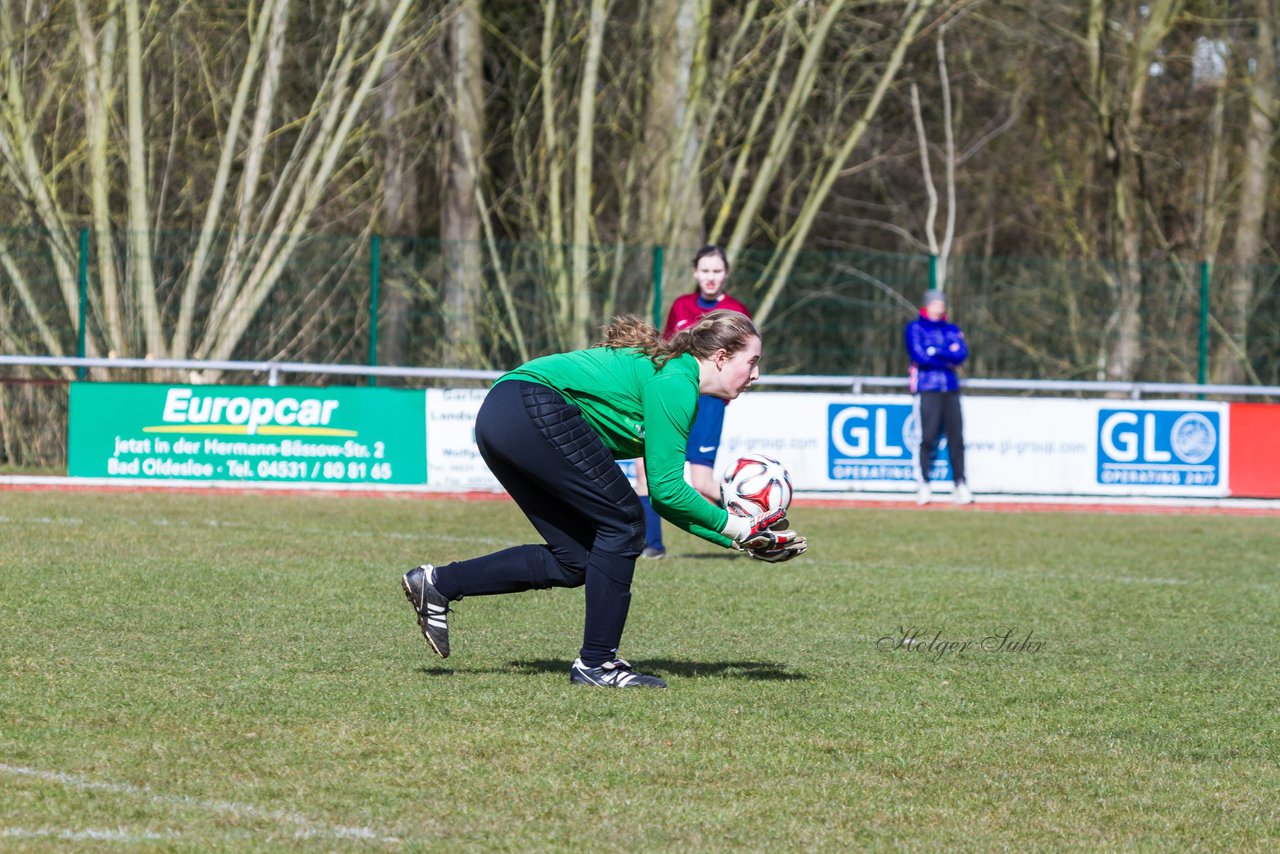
x=717, y=330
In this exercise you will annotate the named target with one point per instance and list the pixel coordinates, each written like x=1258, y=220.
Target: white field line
x=41, y=520
x=161, y=522
x=304, y=827
x=90, y=835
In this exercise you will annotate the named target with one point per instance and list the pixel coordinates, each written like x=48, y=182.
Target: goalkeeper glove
x=780, y=554
x=765, y=536
x=748, y=529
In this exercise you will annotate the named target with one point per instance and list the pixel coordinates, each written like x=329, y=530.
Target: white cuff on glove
x=738, y=528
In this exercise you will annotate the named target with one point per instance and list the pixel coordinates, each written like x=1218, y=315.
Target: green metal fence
x=401, y=301
x=370, y=300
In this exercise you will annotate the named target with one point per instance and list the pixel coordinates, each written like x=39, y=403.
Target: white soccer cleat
x=962, y=494
x=612, y=674
x=924, y=494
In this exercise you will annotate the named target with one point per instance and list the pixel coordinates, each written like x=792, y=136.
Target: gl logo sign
x=852, y=437
x=1164, y=447
x=1120, y=440
x=877, y=443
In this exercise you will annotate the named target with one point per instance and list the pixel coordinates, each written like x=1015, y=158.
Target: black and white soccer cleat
x=432, y=607
x=612, y=674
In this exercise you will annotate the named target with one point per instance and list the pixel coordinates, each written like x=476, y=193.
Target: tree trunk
x=399, y=214
x=581, y=325
x=1231, y=359
x=268, y=41
x=552, y=162
x=1119, y=114
x=670, y=195
x=295, y=200
x=98, y=85
x=785, y=128
x=141, y=262
x=462, y=255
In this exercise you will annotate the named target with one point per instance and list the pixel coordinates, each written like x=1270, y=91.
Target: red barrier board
x=1255, y=450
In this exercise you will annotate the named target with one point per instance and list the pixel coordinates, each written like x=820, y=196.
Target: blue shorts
x=704, y=436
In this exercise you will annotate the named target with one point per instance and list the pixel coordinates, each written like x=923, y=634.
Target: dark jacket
x=935, y=347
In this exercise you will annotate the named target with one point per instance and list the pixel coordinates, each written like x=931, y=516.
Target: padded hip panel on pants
x=566, y=430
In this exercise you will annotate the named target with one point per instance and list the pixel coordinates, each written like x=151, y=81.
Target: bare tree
x=834, y=162
x=462, y=226
x=582, y=320
x=1118, y=99
x=399, y=204
x=288, y=209
x=1231, y=359
x=98, y=59
x=570, y=135
x=141, y=262
x=265, y=204
x=941, y=251
x=670, y=196
x=26, y=171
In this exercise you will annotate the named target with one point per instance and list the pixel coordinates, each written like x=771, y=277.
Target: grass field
x=241, y=672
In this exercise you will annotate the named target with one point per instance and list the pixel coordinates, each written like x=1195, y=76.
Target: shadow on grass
x=765, y=670
x=755, y=670
x=749, y=670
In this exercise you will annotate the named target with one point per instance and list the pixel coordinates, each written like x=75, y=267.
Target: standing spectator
x=937, y=347
x=710, y=271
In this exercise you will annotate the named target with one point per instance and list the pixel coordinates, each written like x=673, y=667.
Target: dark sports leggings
x=569, y=485
x=940, y=412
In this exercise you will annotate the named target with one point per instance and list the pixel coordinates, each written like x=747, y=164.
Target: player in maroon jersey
x=710, y=270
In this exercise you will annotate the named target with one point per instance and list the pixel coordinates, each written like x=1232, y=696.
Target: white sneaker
x=962, y=494
x=923, y=494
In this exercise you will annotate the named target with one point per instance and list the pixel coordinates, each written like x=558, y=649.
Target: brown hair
x=711, y=250
x=706, y=251
x=717, y=330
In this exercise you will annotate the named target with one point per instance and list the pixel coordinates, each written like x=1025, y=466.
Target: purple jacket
x=935, y=347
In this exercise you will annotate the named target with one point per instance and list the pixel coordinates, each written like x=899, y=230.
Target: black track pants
x=939, y=413
x=569, y=485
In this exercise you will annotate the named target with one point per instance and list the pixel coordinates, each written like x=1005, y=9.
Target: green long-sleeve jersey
x=639, y=410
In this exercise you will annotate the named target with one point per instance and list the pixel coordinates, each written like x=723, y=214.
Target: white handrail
x=856, y=384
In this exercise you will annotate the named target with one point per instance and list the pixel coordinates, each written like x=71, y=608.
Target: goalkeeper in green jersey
x=552, y=430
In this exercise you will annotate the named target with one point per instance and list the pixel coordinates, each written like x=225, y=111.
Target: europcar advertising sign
x=247, y=433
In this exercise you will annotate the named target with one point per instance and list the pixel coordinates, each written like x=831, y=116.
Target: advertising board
x=1025, y=446
x=829, y=442
x=452, y=459
x=1254, y=468
x=246, y=434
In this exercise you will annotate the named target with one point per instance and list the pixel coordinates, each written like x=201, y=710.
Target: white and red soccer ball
x=755, y=484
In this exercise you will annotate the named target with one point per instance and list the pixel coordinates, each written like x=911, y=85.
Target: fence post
x=375, y=250
x=83, y=279
x=657, y=287
x=1202, y=363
